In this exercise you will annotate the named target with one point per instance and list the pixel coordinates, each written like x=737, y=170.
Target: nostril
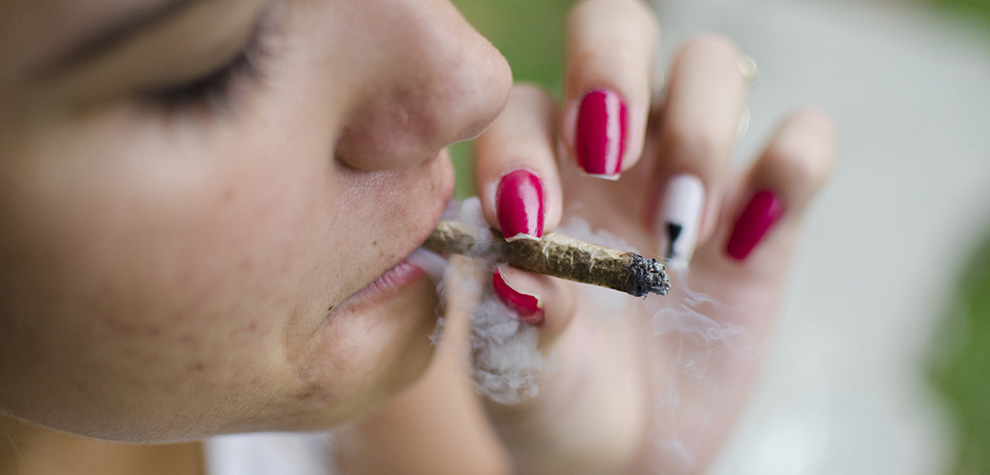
x=386, y=133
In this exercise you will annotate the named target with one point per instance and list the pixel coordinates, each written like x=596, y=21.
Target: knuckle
x=805, y=149
x=819, y=121
x=712, y=45
x=626, y=16
x=693, y=140
x=808, y=169
x=523, y=92
x=648, y=22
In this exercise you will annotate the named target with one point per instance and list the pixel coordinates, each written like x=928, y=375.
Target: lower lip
x=403, y=274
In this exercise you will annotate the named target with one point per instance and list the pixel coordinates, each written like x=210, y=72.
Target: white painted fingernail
x=679, y=218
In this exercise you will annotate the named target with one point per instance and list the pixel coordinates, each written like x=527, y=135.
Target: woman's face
x=197, y=199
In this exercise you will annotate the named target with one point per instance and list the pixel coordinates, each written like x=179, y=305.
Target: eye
x=214, y=90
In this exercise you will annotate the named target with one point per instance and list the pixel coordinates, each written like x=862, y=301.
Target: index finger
x=607, y=93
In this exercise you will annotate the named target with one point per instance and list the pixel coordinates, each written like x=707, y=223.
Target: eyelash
x=214, y=91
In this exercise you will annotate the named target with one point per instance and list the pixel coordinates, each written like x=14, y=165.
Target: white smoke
x=508, y=365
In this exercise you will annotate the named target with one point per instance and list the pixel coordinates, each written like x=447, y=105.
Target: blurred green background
x=960, y=366
x=960, y=369
x=975, y=11
x=531, y=36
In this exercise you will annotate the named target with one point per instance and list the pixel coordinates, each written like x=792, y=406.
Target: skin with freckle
x=170, y=272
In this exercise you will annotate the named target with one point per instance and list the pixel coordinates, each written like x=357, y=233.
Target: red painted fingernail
x=527, y=306
x=519, y=205
x=600, y=139
x=760, y=214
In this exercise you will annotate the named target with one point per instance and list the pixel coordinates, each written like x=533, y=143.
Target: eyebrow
x=116, y=32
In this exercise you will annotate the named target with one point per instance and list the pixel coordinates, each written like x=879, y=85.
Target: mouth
x=410, y=268
x=393, y=279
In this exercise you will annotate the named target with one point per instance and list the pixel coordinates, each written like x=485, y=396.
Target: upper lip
x=408, y=251
x=421, y=235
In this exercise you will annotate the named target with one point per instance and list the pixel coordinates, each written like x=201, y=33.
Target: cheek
x=178, y=287
x=151, y=296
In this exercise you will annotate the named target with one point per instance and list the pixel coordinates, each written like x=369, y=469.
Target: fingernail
x=763, y=210
x=529, y=307
x=600, y=139
x=519, y=205
x=679, y=218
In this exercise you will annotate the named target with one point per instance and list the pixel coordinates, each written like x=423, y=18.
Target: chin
x=416, y=349
x=369, y=351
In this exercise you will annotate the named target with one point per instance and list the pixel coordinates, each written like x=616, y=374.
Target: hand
x=623, y=396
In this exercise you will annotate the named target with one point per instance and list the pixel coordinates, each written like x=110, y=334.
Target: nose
x=443, y=83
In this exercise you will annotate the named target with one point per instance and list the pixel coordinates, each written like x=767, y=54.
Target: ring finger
x=697, y=130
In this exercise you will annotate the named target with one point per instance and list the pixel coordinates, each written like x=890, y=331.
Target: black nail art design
x=673, y=232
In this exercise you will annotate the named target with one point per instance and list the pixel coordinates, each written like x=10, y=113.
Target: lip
x=393, y=279
x=404, y=273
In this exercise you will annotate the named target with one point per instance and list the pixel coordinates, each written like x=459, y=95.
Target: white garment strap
x=271, y=453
